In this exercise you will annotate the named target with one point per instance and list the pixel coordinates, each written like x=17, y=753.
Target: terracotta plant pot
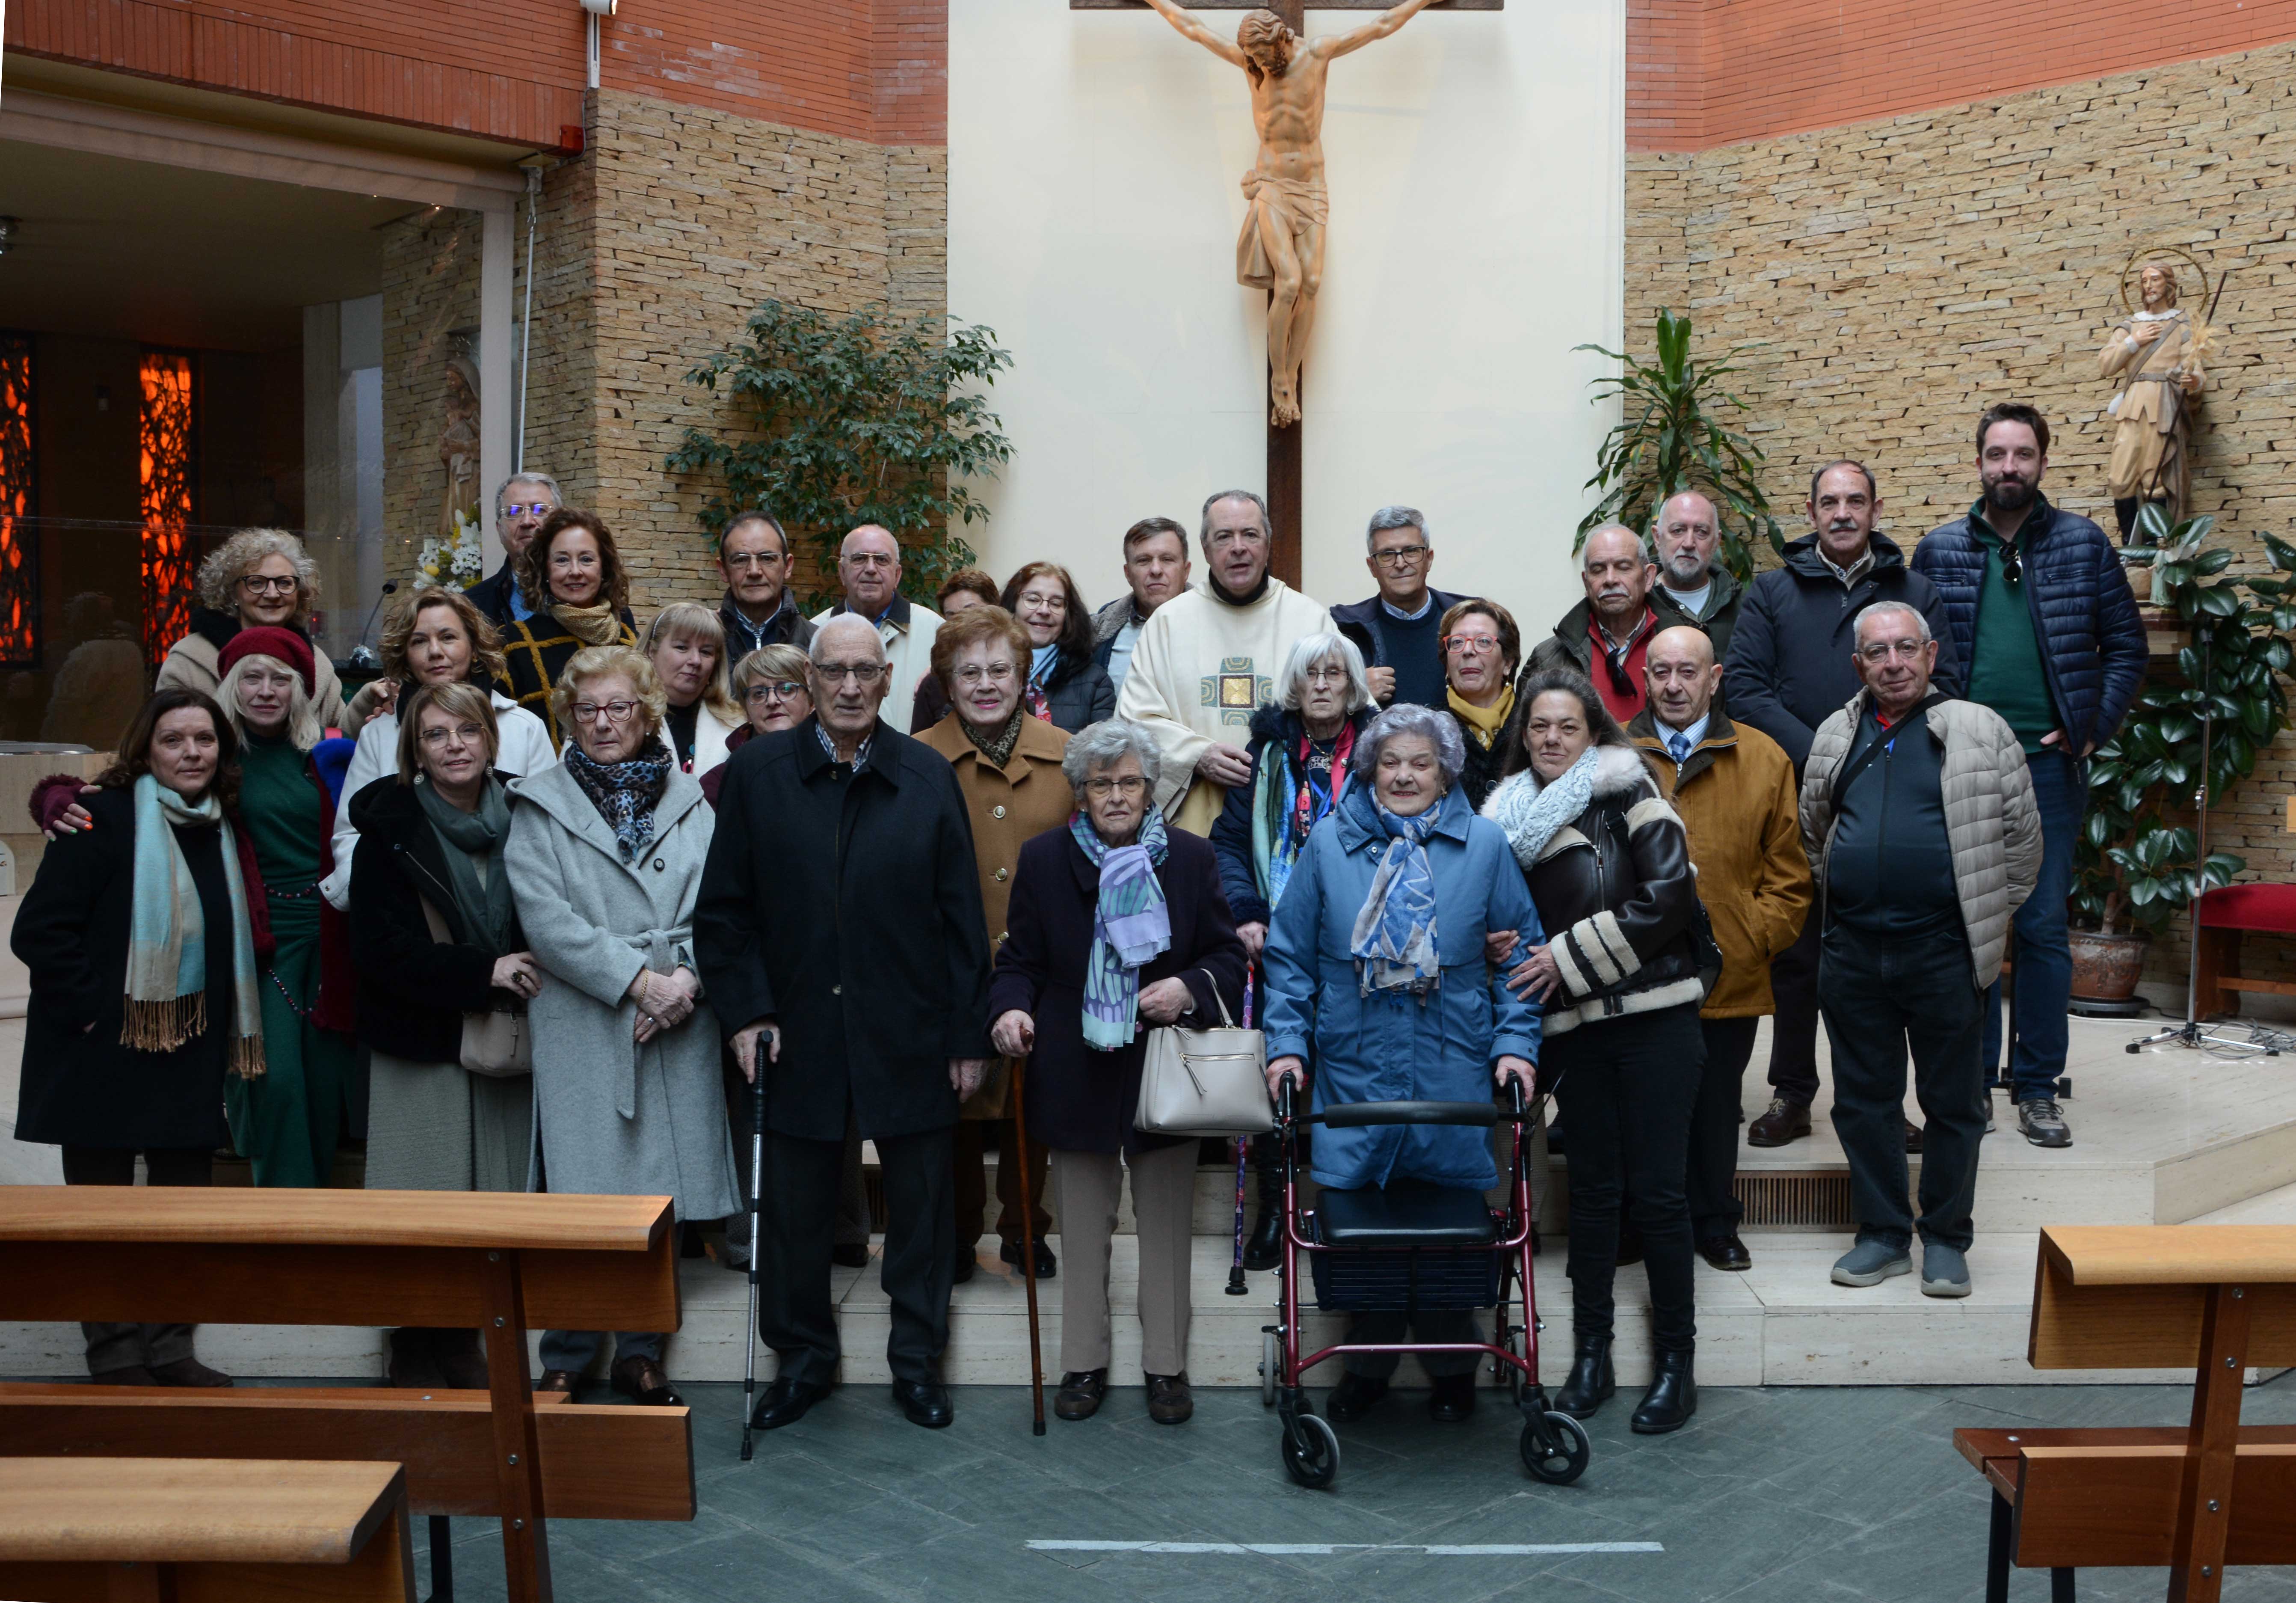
x=2106, y=967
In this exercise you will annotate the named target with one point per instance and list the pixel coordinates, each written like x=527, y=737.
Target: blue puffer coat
x=1391, y=1047
x=2084, y=614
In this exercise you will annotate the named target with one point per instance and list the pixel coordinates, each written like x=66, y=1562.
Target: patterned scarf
x=1035, y=700
x=1130, y=924
x=1393, y=943
x=167, y=980
x=591, y=625
x=1529, y=812
x=995, y=748
x=625, y=793
x=1307, y=802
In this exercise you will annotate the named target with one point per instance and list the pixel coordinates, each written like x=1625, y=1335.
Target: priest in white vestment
x=1205, y=660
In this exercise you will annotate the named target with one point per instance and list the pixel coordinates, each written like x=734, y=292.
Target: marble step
x=1779, y=1323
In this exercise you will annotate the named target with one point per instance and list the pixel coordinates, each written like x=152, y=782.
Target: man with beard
x=1685, y=537
x=2041, y=612
x=1606, y=635
x=1790, y=666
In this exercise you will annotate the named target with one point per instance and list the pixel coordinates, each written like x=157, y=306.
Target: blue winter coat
x=2093, y=649
x=1392, y=1047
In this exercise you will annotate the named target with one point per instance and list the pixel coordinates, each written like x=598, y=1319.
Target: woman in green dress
x=287, y=1123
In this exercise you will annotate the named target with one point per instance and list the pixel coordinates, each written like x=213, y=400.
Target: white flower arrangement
x=462, y=561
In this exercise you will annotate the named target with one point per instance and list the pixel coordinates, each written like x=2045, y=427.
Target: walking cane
x=1028, y=1243
x=1235, y=1285
x=756, y=1245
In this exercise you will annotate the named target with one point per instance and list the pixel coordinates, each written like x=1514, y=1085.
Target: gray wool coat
x=613, y=1115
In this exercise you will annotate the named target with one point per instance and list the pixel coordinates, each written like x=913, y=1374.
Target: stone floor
x=1783, y=1493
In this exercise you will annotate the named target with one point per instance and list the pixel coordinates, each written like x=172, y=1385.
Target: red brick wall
x=514, y=69
x=1701, y=73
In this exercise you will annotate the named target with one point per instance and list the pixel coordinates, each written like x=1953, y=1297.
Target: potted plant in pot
x=2139, y=859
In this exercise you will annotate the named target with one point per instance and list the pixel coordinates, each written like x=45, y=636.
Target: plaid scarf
x=625, y=793
x=1131, y=925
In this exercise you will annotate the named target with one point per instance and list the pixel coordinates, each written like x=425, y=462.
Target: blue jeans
x=2043, y=962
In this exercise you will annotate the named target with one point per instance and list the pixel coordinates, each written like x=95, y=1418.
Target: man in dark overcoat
x=839, y=928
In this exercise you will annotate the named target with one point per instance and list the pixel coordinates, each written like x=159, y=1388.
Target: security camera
x=599, y=8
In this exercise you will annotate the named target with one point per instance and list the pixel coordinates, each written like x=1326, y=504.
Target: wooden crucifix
x=1281, y=250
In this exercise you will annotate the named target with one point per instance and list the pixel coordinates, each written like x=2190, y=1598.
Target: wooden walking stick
x=1027, y=1243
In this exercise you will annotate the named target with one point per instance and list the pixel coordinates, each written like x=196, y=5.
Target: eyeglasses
x=1325, y=676
x=586, y=712
x=470, y=735
x=777, y=690
x=1101, y=790
x=1470, y=646
x=1905, y=651
x=259, y=584
x=864, y=674
x=996, y=673
x=1398, y=556
x=517, y=509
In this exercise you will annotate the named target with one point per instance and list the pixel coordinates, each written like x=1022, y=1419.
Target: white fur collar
x=1619, y=771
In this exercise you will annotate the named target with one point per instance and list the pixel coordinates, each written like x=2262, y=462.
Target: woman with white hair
x=1301, y=745
x=261, y=579
x=1116, y=924
x=1377, y=976
x=687, y=644
x=287, y=1122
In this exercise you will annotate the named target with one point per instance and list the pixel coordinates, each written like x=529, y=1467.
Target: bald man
x=1605, y=635
x=869, y=567
x=1735, y=789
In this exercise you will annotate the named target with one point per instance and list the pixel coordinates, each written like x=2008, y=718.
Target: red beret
x=283, y=644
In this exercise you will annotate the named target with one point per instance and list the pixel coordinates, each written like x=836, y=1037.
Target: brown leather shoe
x=643, y=1380
x=1785, y=1121
x=187, y=1372
x=1169, y=1401
x=558, y=1380
x=1080, y=1393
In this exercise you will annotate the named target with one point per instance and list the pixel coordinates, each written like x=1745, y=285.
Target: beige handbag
x=498, y=1044
x=1205, y=1082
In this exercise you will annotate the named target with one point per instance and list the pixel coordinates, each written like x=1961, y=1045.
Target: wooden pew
x=499, y=1261
x=203, y=1531
x=2217, y=1298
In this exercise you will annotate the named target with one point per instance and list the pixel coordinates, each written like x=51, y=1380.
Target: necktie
x=1678, y=743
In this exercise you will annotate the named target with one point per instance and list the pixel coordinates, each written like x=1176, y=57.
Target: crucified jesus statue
x=1281, y=249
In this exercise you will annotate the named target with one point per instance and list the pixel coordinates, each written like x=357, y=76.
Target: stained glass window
x=19, y=566
x=170, y=484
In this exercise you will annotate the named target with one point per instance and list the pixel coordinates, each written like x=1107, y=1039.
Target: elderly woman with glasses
x=606, y=859
x=1377, y=976
x=261, y=579
x=1301, y=745
x=1482, y=647
x=1117, y=924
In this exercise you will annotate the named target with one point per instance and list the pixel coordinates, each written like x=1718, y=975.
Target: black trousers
x=1714, y=1206
x=1626, y=1087
x=794, y=1315
x=112, y=1345
x=1793, y=1028
x=971, y=1180
x=1882, y=996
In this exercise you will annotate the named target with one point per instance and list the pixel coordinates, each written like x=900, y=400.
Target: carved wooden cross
x=1284, y=456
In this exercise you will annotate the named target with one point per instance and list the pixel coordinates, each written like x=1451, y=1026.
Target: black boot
x=2124, y=513
x=1264, y=1248
x=1671, y=1399
x=1592, y=1382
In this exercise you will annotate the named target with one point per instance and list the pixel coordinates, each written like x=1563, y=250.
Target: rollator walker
x=1410, y=1248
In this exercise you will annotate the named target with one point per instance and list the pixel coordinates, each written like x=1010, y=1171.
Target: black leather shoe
x=1671, y=1399
x=851, y=1255
x=1452, y=1400
x=1047, y=1266
x=1353, y=1398
x=1080, y=1393
x=1913, y=1138
x=643, y=1380
x=785, y=1403
x=1169, y=1399
x=1591, y=1382
x=924, y=1401
x=968, y=1261
x=1726, y=1252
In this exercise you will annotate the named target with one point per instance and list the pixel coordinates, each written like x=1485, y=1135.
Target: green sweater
x=2005, y=671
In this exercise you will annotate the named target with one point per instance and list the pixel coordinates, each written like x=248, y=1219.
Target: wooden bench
x=2224, y=916
x=499, y=1261
x=2217, y=1298
x=203, y=1531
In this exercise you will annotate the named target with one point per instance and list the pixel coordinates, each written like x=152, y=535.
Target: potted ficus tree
x=2138, y=861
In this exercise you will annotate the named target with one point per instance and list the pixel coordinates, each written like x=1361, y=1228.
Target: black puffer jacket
x=1615, y=893
x=413, y=990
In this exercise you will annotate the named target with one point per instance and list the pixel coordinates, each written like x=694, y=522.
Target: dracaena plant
x=861, y=419
x=1669, y=438
x=2137, y=862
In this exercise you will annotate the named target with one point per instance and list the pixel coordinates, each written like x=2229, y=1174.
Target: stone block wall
x=1893, y=278
x=429, y=291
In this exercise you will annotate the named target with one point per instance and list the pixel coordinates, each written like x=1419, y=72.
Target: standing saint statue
x=2156, y=354
x=1281, y=249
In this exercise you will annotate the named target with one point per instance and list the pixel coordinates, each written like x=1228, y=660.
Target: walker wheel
x=1554, y=1449
x=1271, y=1368
x=1311, y=1451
